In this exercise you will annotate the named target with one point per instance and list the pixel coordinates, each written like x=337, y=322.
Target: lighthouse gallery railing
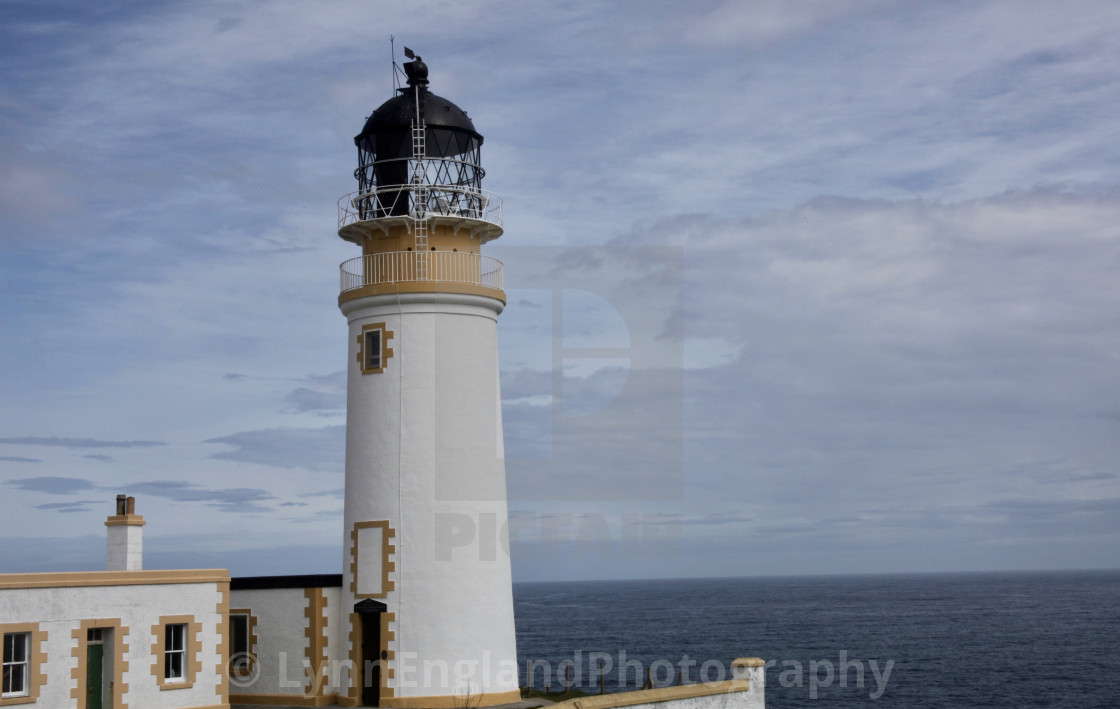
x=438, y=201
x=401, y=267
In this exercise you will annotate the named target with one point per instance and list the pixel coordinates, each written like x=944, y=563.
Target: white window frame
x=9, y=663
x=170, y=651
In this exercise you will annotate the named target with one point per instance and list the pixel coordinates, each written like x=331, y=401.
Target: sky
x=793, y=288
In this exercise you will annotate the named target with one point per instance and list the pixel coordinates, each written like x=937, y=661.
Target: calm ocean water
x=947, y=640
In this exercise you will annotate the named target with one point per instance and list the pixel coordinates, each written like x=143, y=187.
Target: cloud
x=259, y=560
x=717, y=519
x=238, y=500
x=323, y=394
x=1045, y=518
x=629, y=447
x=77, y=442
x=47, y=554
x=53, y=485
x=99, y=457
x=18, y=459
x=304, y=399
x=339, y=493
x=246, y=555
x=80, y=506
x=30, y=188
x=519, y=384
x=762, y=21
x=320, y=449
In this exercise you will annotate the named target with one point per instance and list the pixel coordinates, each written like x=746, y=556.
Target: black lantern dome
x=403, y=170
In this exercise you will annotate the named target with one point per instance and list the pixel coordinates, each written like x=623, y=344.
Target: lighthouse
x=426, y=588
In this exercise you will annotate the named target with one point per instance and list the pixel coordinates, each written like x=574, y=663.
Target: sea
x=1015, y=639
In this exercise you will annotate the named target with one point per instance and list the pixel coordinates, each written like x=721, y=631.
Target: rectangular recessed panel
x=370, y=550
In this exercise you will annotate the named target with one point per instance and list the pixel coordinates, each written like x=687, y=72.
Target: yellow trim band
x=69, y=579
x=422, y=287
x=125, y=520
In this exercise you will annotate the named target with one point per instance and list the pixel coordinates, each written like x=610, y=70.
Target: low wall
x=746, y=690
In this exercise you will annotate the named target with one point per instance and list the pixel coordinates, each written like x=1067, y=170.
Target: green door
x=94, y=656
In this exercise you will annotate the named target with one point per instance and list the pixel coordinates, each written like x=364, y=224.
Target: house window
x=176, y=644
x=175, y=653
x=373, y=347
x=16, y=664
x=241, y=624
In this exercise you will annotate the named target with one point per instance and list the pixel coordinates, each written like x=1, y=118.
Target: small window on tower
x=373, y=348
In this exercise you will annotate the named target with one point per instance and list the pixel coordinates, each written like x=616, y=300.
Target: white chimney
x=124, y=540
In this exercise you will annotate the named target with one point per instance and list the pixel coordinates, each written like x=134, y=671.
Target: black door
x=369, y=615
x=371, y=656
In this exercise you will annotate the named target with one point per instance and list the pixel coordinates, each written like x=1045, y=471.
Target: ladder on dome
x=419, y=199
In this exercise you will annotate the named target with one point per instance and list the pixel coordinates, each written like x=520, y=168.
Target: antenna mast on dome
x=393, y=62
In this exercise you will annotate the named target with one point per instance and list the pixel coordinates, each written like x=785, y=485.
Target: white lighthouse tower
x=426, y=585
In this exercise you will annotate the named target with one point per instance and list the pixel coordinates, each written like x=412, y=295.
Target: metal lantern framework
x=419, y=154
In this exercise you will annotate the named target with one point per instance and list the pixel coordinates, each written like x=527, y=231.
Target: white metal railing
x=403, y=267
x=437, y=200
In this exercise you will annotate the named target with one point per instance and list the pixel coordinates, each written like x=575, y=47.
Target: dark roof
x=252, y=583
x=397, y=113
